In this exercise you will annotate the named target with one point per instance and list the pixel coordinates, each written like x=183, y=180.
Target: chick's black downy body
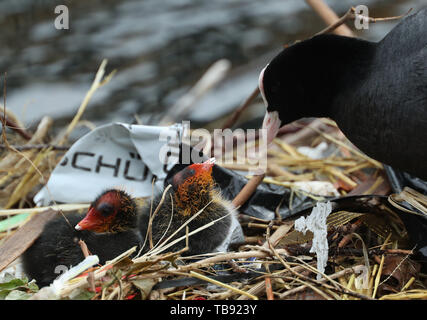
x=202, y=242
x=57, y=247
x=192, y=192
x=375, y=91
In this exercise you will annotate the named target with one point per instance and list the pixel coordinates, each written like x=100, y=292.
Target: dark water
x=159, y=47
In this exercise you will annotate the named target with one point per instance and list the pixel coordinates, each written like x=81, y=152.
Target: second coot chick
x=112, y=217
x=193, y=189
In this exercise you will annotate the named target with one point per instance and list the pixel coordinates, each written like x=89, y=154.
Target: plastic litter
x=316, y=223
x=314, y=153
x=114, y=155
x=58, y=284
x=416, y=225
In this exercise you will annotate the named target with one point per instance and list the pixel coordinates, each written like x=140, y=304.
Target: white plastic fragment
x=58, y=284
x=316, y=223
x=15, y=269
x=115, y=155
x=321, y=188
x=314, y=153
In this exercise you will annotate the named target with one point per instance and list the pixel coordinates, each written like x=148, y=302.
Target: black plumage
x=113, y=224
x=57, y=247
x=193, y=189
x=376, y=92
x=202, y=242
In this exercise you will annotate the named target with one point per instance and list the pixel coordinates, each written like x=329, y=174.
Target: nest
x=369, y=252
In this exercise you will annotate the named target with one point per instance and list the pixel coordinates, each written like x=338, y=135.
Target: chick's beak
x=89, y=222
x=207, y=165
x=271, y=124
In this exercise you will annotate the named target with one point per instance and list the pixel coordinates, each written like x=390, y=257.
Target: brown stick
x=236, y=114
x=23, y=238
x=351, y=15
x=227, y=257
x=269, y=289
x=248, y=190
x=329, y=17
x=12, y=125
x=36, y=147
x=346, y=239
x=333, y=276
x=7, y=122
x=91, y=276
x=278, y=235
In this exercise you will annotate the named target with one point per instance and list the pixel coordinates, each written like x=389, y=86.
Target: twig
x=269, y=288
x=36, y=147
x=260, y=225
x=376, y=163
x=346, y=239
x=256, y=289
x=351, y=15
x=329, y=17
x=150, y=223
x=165, y=245
x=333, y=276
x=378, y=276
x=340, y=288
x=184, y=105
x=90, y=277
x=236, y=267
x=12, y=125
x=4, y=112
x=97, y=83
x=202, y=277
x=340, y=22
x=278, y=235
x=236, y=114
x=228, y=256
x=397, y=267
x=248, y=190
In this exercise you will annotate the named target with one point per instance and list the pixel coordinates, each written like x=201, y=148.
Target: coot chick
x=112, y=217
x=376, y=92
x=193, y=189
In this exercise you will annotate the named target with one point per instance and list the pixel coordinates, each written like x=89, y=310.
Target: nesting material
x=58, y=284
x=361, y=251
x=316, y=223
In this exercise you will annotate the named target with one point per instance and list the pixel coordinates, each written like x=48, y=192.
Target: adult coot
x=376, y=92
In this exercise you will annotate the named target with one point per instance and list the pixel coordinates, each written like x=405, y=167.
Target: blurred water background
x=160, y=48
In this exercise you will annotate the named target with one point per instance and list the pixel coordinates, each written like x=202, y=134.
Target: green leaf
x=13, y=222
x=9, y=290
x=18, y=295
x=12, y=284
